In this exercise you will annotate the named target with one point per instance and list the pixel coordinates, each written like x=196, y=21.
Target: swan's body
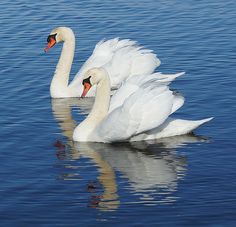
x=139, y=110
x=120, y=58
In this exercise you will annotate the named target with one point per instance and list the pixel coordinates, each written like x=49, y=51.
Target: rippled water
x=47, y=180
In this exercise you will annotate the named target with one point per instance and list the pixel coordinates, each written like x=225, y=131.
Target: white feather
x=140, y=110
x=121, y=59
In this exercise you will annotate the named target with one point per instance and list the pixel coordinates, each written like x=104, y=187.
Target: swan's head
x=93, y=77
x=58, y=35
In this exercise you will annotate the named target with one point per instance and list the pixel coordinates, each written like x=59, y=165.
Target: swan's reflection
x=152, y=168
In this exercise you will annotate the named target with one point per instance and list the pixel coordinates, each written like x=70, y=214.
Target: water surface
x=47, y=180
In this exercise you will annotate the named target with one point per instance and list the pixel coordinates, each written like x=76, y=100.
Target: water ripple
x=46, y=179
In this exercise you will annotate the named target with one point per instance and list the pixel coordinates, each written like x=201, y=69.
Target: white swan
x=139, y=110
x=121, y=59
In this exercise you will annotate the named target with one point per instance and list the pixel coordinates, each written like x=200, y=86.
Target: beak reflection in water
x=152, y=169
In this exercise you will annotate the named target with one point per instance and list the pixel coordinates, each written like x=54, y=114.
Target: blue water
x=47, y=180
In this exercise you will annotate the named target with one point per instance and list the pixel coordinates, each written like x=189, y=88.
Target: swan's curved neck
x=60, y=79
x=98, y=112
x=102, y=100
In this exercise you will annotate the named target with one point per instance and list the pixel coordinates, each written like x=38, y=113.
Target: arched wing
x=133, y=83
x=121, y=59
x=145, y=109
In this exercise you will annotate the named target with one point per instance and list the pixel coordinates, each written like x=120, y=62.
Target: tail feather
x=171, y=127
x=195, y=124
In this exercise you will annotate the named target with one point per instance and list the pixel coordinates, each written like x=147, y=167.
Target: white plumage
x=120, y=58
x=139, y=110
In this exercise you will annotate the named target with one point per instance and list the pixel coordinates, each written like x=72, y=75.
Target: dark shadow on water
x=150, y=169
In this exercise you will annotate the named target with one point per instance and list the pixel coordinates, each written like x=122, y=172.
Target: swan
x=139, y=110
x=121, y=59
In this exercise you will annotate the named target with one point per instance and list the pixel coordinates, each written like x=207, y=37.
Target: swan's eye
x=51, y=40
x=87, y=80
x=51, y=37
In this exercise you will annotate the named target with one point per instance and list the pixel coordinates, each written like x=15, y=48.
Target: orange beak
x=87, y=86
x=51, y=43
